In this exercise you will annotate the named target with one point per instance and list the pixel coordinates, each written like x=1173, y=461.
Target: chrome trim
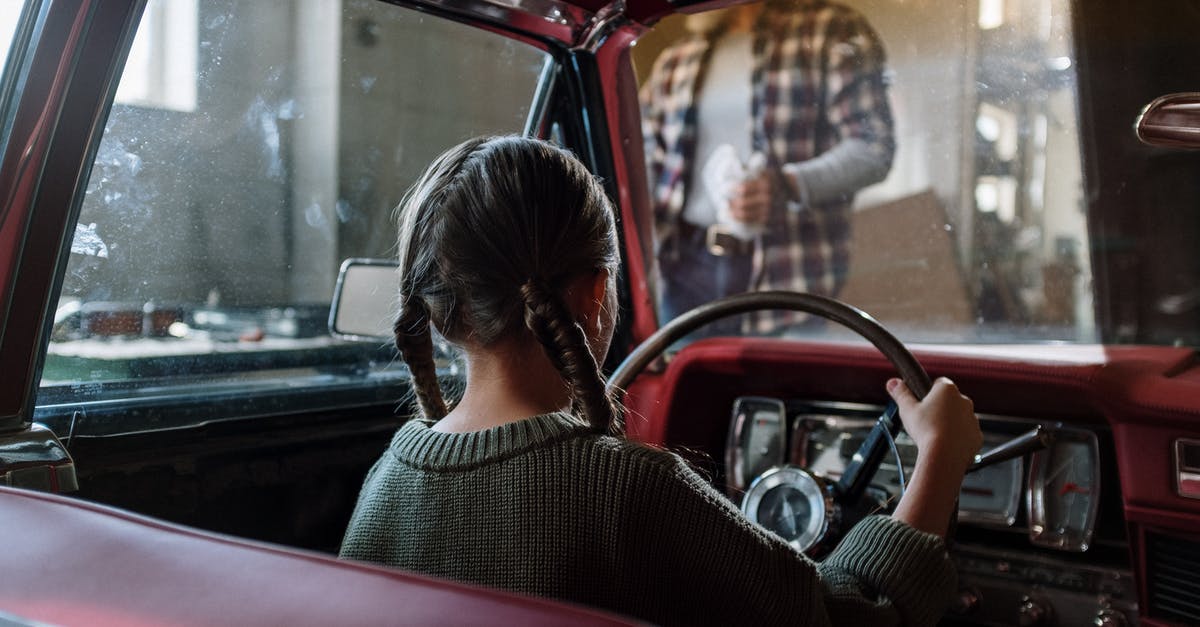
x=540, y=104
x=1077, y=591
x=849, y=416
x=36, y=459
x=336, y=303
x=805, y=426
x=559, y=20
x=741, y=426
x=1009, y=516
x=1017, y=448
x=870, y=408
x=1184, y=472
x=969, y=549
x=1104, y=584
x=845, y=406
x=820, y=502
x=1036, y=495
x=1170, y=120
x=605, y=22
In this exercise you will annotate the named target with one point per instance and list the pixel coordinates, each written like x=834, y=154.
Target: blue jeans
x=693, y=276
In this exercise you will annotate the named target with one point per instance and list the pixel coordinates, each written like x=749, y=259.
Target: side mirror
x=364, y=301
x=1171, y=120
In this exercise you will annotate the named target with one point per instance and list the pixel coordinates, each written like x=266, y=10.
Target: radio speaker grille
x=1174, y=588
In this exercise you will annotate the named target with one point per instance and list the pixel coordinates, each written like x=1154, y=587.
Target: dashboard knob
x=1034, y=613
x=1109, y=618
x=966, y=602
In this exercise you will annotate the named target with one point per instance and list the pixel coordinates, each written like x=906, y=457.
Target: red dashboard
x=1149, y=397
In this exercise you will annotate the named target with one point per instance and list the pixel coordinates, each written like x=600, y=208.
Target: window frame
x=568, y=94
x=69, y=74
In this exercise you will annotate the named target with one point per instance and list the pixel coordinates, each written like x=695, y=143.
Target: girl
x=508, y=248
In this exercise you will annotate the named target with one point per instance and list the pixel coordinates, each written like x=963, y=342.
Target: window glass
x=160, y=70
x=254, y=146
x=10, y=15
x=14, y=62
x=921, y=162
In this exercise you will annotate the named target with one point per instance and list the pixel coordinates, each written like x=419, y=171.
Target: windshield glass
x=922, y=162
x=251, y=148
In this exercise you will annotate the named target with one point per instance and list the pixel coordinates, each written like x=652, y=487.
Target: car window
x=922, y=163
x=18, y=23
x=244, y=158
x=10, y=15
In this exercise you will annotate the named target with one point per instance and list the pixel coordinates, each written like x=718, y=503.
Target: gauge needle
x=1071, y=487
x=1061, y=467
x=788, y=519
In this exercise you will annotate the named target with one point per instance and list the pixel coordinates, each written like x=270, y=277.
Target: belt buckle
x=717, y=240
x=720, y=240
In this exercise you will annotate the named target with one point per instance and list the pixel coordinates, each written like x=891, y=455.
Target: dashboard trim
x=1187, y=476
x=1041, y=477
x=848, y=417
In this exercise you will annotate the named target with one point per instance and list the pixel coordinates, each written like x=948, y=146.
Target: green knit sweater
x=545, y=506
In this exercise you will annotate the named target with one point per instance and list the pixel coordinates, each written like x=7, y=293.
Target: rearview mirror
x=364, y=300
x=1171, y=120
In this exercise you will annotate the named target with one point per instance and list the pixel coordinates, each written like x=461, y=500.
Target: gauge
x=756, y=440
x=1064, y=491
x=992, y=494
x=824, y=445
x=791, y=503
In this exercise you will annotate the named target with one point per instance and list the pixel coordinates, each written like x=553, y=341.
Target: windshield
x=245, y=157
x=924, y=163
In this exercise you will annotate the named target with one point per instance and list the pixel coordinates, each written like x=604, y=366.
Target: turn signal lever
x=1035, y=440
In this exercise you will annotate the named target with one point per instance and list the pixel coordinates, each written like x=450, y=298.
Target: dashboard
x=1098, y=530
x=1023, y=519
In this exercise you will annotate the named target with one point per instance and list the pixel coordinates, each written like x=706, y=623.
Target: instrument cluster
x=1059, y=486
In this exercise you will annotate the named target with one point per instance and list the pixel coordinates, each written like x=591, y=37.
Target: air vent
x=1174, y=588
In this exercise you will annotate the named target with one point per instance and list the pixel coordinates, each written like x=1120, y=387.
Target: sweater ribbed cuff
x=910, y=567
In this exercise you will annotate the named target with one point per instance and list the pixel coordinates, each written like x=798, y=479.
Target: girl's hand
x=943, y=425
x=947, y=434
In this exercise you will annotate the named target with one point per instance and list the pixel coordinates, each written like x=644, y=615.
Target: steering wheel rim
x=870, y=454
x=853, y=318
x=854, y=480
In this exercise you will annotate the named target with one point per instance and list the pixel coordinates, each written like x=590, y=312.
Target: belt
x=718, y=239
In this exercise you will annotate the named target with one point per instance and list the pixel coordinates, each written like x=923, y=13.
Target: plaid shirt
x=817, y=79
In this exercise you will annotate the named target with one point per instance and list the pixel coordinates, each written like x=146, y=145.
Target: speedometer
x=791, y=503
x=1064, y=491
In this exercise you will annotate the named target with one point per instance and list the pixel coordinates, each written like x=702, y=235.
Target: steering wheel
x=832, y=507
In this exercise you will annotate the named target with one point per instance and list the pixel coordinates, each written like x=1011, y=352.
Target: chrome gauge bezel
x=1014, y=481
x=742, y=463
x=1041, y=473
x=853, y=420
x=813, y=488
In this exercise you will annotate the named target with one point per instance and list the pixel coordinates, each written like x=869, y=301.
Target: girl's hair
x=489, y=237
